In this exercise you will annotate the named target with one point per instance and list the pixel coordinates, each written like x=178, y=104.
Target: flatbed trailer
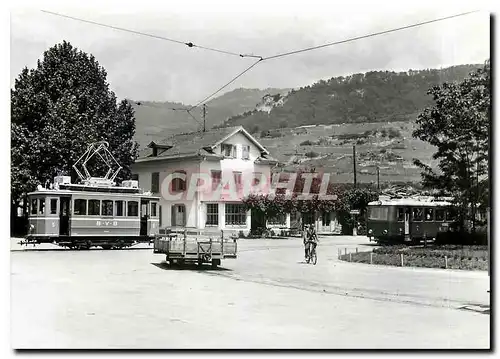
x=182, y=249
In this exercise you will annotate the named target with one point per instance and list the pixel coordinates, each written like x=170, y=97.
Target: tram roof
x=83, y=189
x=411, y=202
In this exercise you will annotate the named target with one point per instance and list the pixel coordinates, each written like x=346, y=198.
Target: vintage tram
x=413, y=220
x=93, y=213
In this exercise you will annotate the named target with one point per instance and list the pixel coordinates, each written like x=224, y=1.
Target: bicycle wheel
x=314, y=257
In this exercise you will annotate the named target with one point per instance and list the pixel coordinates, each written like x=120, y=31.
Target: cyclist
x=310, y=240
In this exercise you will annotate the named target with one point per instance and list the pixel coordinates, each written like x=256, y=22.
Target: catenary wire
x=188, y=44
x=366, y=36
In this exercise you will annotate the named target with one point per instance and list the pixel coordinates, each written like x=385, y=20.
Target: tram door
x=407, y=222
x=144, y=217
x=64, y=215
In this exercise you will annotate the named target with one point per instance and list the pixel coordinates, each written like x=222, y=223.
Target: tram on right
x=404, y=220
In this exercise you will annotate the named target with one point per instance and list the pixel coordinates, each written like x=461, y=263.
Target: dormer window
x=228, y=151
x=155, y=151
x=245, y=152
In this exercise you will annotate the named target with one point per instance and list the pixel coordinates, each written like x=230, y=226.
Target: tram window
x=41, y=209
x=440, y=214
x=132, y=209
x=153, y=209
x=401, y=214
x=144, y=209
x=379, y=212
x=94, y=207
x=107, y=208
x=80, y=207
x=451, y=214
x=119, y=208
x=34, y=206
x=429, y=214
x=53, y=206
x=417, y=214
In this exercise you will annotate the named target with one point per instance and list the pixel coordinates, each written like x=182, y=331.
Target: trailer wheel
x=106, y=246
x=215, y=263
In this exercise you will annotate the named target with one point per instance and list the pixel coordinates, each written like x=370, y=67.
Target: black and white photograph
x=250, y=175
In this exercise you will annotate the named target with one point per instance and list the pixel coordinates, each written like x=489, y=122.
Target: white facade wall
x=196, y=209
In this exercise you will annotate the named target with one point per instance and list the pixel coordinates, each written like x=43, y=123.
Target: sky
x=144, y=68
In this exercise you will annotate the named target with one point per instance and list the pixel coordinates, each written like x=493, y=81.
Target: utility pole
x=204, y=114
x=378, y=178
x=354, y=163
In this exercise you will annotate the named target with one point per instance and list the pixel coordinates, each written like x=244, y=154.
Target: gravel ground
x=266, y=298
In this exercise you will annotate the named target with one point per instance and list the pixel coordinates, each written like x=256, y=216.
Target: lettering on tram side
x=106, y=223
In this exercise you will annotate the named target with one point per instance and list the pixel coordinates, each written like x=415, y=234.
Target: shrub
x=311, y=154
x=306, y=143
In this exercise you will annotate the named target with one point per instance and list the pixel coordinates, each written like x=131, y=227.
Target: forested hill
x=371, y=97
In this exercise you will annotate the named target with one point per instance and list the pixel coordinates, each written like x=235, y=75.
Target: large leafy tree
x=458, y=125
x=58, y=109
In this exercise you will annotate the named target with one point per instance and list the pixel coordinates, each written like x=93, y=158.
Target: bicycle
x=312, y=256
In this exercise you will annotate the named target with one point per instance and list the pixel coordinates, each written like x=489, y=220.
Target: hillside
x=379, y=96
x=155, y=120
x=389, y=146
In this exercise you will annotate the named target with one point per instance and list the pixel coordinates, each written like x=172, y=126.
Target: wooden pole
x=445, y=262
x=354, y=164
x=378, y=178
x=402, y=260
x=350, y=257
x=371, y=258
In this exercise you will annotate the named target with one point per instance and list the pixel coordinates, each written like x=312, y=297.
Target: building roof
x=195, y=144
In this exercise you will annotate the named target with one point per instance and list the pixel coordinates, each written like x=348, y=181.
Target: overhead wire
x=260, y=58
x=188, y=44
x=366, y=36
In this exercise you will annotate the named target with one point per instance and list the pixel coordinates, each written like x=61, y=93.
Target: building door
x=326, y=221
x=178, y=215
x=64, y=215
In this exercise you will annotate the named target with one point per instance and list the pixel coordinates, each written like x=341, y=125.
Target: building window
x=119, y=208
x=41, y=209
x=418, y=214
x=216, y=179
x=228, y=150
x=212, y=214
x=429, y=214
x=153, y=209
x=53, y=206
x=325, y=219
x=34, y=206
x=107, y=208
x=245, y=152
x=179, y=184
x=132, y=209
x=80, y=207
x=279, y=219
x=161, y=216
x=155, y=182
x=237, y=179
x=94, y=207
x=236, y=214
x=256, y=178
x=135, y=177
